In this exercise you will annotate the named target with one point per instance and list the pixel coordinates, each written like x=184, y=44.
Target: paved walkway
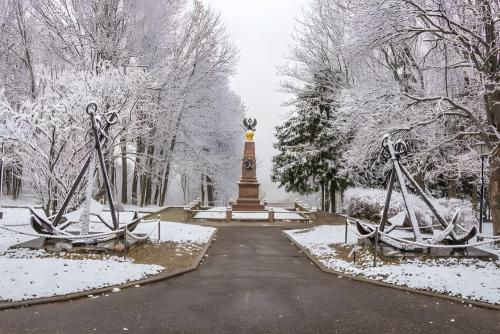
x=254, y=281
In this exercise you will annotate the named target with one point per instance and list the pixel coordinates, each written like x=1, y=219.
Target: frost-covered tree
x=309, y=142
x=439, y=63
x=181, y=91
x=162, y=66
x=50, y=134
x=207, y=156
x=424, y=71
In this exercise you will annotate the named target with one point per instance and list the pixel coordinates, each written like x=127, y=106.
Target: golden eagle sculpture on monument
x=248, y=195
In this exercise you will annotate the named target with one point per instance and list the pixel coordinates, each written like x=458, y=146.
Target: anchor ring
x=91, y=109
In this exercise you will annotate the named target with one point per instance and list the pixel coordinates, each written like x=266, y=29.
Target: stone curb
x=83, y=294
x=322, y=267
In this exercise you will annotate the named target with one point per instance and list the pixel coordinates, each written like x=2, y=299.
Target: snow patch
x=28, y=274
x=467, y=278
x=178, y=232
x=35, y=277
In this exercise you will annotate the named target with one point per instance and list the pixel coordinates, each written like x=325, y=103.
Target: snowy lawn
x=33, y=274
x=18, y=219
x=178, y=232
x=469, y=278
x=220, y=213
x=27, y=274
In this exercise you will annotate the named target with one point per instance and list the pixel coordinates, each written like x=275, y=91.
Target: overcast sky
x=261, y=30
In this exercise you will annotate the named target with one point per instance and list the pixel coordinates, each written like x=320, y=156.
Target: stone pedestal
x=248, y=198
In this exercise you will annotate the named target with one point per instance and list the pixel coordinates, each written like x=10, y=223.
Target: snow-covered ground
x=178, y=232
x=26, y=274
x=17, y=219
x=467, y=278
x=24, y=200
x=33, y=274
x=220, y=213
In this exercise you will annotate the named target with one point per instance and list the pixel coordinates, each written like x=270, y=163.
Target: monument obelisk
x=248, y=197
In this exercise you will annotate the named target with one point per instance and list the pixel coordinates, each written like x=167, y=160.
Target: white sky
x=261, y=30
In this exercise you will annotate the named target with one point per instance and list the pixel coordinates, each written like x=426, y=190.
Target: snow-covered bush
x=368, y=203
x=468, y=216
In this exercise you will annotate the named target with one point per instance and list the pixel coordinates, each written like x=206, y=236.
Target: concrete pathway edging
x=324, y=268
x=76, y=295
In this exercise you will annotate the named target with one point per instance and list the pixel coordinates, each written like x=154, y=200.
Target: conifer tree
x=308, y=151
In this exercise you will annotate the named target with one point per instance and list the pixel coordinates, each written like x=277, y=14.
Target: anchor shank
x=383, y=220
x=424, y=197
x=104, y=173
x=71, y=192
x=78, y=179
x=404, y=191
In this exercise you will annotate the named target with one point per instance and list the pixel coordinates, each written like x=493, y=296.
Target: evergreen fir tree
x=308, y=151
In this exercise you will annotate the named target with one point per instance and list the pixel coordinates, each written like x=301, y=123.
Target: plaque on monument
x=248, y=197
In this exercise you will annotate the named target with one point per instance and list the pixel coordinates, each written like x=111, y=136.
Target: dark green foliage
x=308, y=149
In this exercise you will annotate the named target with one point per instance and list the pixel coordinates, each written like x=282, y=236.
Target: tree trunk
x=16, y=188
x=474, y=198
x=333, y=189
x=210, y=191
x=124, y=171
x=495, y=191
x=157, y=191
x=135, y=181
x=322, y=197
x=27, y=59
x=184, y=188
x=54, y=200
x=144, y=180
x=149, y=182
x=452, y=188
x=134, y=187
x=327, y=200
x=493, y=104
x=148, y=191
x=137, y=174
x=202, y=187
x=164, y=188
x=8, y=183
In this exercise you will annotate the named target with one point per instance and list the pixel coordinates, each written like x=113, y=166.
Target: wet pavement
x=254, y=281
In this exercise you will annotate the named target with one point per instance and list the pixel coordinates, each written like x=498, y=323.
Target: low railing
x=283, y=205
x=191, y=209
x=305, y=213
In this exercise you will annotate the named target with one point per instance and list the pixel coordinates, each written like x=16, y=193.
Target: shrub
x=368, y=203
